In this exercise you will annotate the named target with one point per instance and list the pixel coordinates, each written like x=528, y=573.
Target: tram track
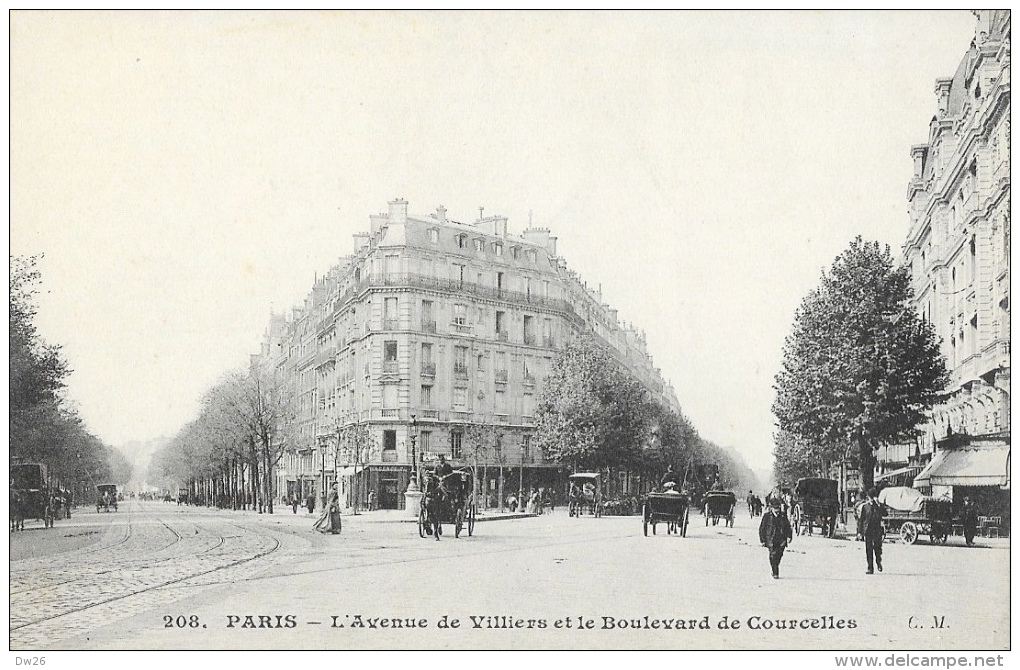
x=275, y=546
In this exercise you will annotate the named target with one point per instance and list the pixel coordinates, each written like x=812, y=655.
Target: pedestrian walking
x=310, y=503
x=775, y=533
x=371, y=500
x=869, y=527
x=969, y=518
x=294, y=502
x=329, y=521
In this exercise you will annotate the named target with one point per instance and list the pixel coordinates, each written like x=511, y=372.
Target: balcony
x=428, y=326
x=529, y=339
x=428, y=369
x=460, y=369
x=501, y=376
x=460, y=416
x=429, y=414
x=389, y=456
x=460, y=328
x=390, y=367
x=390, y=412
x=391, y=324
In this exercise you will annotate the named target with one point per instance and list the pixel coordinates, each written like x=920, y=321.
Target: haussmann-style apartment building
x=443, y=331
x=957, y=250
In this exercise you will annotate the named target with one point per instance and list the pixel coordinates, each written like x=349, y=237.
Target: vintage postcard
x=511, y=330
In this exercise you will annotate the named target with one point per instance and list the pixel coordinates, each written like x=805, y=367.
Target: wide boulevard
x=157, y=576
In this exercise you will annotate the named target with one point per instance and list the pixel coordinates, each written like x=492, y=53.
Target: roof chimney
x=398, y=211
x=441, y=214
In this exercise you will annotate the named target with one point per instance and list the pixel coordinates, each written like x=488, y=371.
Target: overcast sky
x=185, y=174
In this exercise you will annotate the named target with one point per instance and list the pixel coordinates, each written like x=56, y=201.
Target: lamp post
x=412, y=496
x=412, y=434
x=322, y=460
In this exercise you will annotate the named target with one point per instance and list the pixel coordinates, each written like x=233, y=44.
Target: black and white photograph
x=368, y=331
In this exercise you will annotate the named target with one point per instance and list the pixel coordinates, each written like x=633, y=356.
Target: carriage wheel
x=908, y=532
x=706, y=517
x=458, y=522
x=795, y=519
x=598, y=510
x=421, y=523
x=686, y=520
x=471, y=521
x=644, y=518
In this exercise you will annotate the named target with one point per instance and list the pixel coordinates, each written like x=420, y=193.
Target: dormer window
x=532, y=256
x=479, y=245
x=434, y=235
x=462, y=240
x=497, y=248
x=516, y=253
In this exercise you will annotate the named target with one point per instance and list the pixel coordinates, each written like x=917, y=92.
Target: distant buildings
x=442, y=331
x=957, y=250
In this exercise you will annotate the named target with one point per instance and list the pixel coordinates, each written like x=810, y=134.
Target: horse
x=17, y=511
x=433, y=503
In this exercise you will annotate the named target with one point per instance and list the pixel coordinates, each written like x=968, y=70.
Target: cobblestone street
x=164, y=577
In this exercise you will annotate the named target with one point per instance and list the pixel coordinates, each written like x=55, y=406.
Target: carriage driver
x=443, y=468
x=670, y=478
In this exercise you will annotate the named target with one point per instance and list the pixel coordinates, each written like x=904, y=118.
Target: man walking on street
x=869, y=527
x=775, y=533
x=969, y=518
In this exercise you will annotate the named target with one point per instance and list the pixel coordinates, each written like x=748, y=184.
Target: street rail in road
x=67, y=592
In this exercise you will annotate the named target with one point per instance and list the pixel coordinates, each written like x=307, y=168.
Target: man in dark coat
x=869, y=527
x=775, y=533
x=969, y=518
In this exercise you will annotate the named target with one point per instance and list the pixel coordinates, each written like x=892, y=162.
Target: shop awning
x=905, y=474
x=967, y=466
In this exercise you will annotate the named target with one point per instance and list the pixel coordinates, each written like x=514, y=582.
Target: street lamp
x=322, y=460
x=412, y=434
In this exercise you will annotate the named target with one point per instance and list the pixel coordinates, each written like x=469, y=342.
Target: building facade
x=434, y=336
x=957, y=248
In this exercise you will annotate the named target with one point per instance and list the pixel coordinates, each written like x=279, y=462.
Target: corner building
x=957, y=250
x=450, y=325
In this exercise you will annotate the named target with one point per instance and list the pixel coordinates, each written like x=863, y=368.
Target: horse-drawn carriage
x=106, y=497
x=585, y=494
x=910, y=513
x=719, y=505
x=815, y=502
x=31, y=496
x=671, y=508
x=447, y=498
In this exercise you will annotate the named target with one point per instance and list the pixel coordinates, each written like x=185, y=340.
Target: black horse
x=444, y=501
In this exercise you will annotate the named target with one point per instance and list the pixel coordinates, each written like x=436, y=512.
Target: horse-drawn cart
x=670, y=508
x=106, y=497
x=585, y=494
x=815, y=502
x=909, y=513
x=447, y=499
x=719, y=505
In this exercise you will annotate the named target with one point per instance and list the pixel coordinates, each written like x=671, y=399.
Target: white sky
x=187, y=173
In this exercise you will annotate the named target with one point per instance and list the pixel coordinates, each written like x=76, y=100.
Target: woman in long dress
x=329, y=521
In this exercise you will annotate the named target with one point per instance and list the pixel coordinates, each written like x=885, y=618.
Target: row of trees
x=226, y=456
x=595, y=415
x=44, y=427
x=860, y=369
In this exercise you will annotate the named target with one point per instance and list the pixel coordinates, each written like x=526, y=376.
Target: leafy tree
x=860, y=367
x=591, y=413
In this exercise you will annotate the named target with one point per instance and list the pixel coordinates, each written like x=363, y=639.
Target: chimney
x=942, y=86
x=398, y=211
x=917, y=152
x=441, y=214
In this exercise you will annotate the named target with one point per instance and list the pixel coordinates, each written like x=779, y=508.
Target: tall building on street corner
x=957, y=250
x=434, y=336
